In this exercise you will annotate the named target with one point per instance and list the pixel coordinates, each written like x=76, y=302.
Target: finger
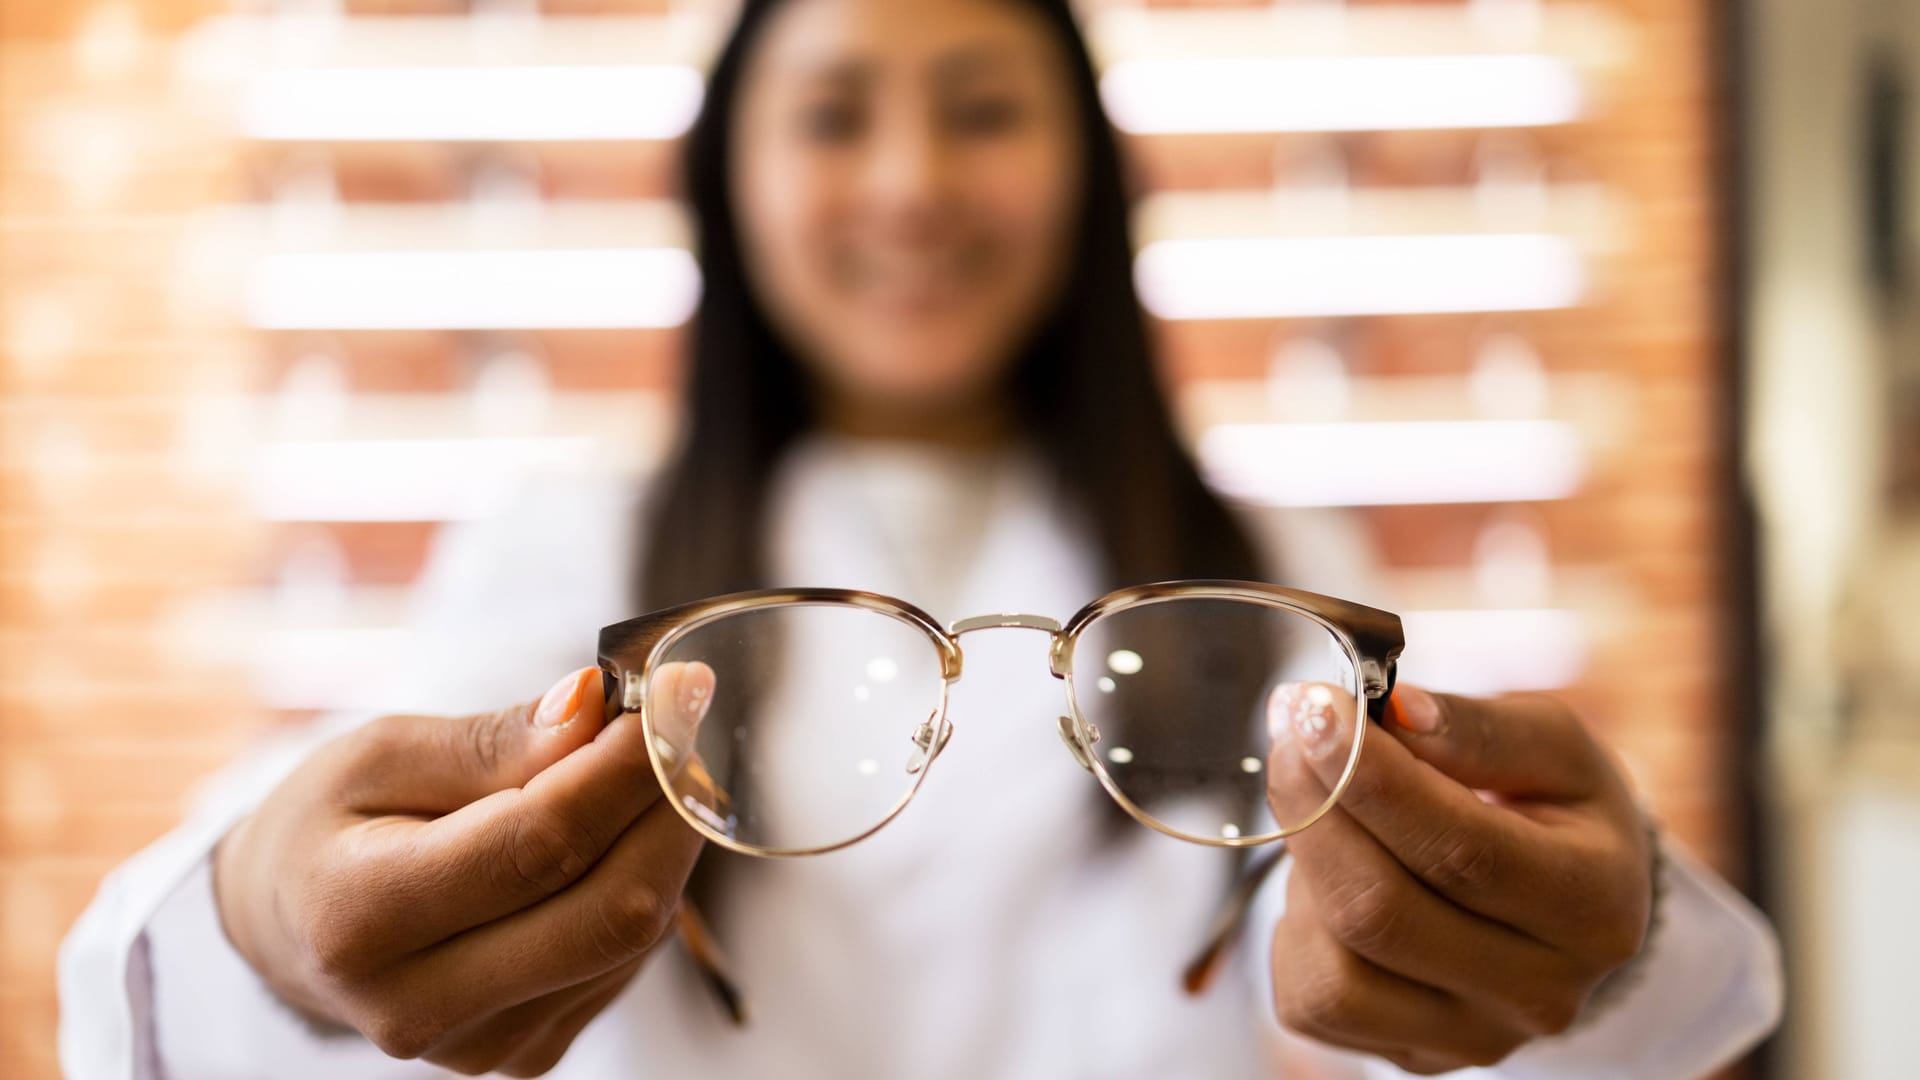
x=1528, y=745
x=1419, y=1064
x=616, y=913
x=428, y=765
x=1484, y=858
x=517, y=847
x=1326, y=992
x=1370, y=905
x=1296, y=792
x=539, y=1057
x=525, y=1031
x=679, y=695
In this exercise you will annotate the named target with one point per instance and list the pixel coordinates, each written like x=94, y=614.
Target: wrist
x=228, y=907
x=1621, y=981
x=238, y=920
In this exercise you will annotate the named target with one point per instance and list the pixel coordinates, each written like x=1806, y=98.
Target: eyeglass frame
x=1372, y=638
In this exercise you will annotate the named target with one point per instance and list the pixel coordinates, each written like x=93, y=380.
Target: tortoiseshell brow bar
x=1373, y=638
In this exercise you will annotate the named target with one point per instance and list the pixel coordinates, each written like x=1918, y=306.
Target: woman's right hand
x=467, y=890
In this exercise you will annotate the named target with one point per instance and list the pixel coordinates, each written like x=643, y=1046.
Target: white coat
x=986, y=932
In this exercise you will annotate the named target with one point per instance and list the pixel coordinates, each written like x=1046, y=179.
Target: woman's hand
x=470, y=891
x=1484, y=870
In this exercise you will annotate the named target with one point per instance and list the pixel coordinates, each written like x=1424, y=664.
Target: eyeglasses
x=788, y=722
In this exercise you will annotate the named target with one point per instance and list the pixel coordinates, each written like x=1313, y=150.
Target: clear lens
x=1175, y=693
x=811, y=714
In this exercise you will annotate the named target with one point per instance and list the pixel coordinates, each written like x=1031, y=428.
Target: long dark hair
x=1085, y=385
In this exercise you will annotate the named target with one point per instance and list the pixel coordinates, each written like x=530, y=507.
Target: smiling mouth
x=917, y=283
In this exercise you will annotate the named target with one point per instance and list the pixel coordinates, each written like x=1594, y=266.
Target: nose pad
x=1072, y=738
x=928, y=742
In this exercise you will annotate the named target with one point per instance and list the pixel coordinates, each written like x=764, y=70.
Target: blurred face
x=906, y=177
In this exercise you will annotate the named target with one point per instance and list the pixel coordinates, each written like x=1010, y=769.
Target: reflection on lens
x=816, y=729
x=1178, y=725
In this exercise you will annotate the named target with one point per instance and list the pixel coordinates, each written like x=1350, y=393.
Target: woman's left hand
x=1485, y=869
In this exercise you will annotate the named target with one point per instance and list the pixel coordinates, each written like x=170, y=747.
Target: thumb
x=435, y=764
x=1527, y=745
x=513, y=745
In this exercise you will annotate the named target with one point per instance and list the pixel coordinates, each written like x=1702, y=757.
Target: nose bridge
x=1005, y=621
x=908, y=161
x=1016, y=621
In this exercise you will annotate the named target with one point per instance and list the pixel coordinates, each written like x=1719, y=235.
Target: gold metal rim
x=943, y=645
x=1145, y=596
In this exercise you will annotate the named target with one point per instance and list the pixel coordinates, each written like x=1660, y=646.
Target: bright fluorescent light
x=1493, y=651
x=405, y=479
x=300, y=224
x=472, y=290
x=1358, y=93
x=1394, y=463
x=488, y=103
x=1328, y=206
x=1256, y=278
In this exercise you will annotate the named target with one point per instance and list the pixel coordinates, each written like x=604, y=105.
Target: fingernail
x=1313, y=719
x=1280, y=706
x=695, y=695
x=1417, y=711
x=562, y=702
